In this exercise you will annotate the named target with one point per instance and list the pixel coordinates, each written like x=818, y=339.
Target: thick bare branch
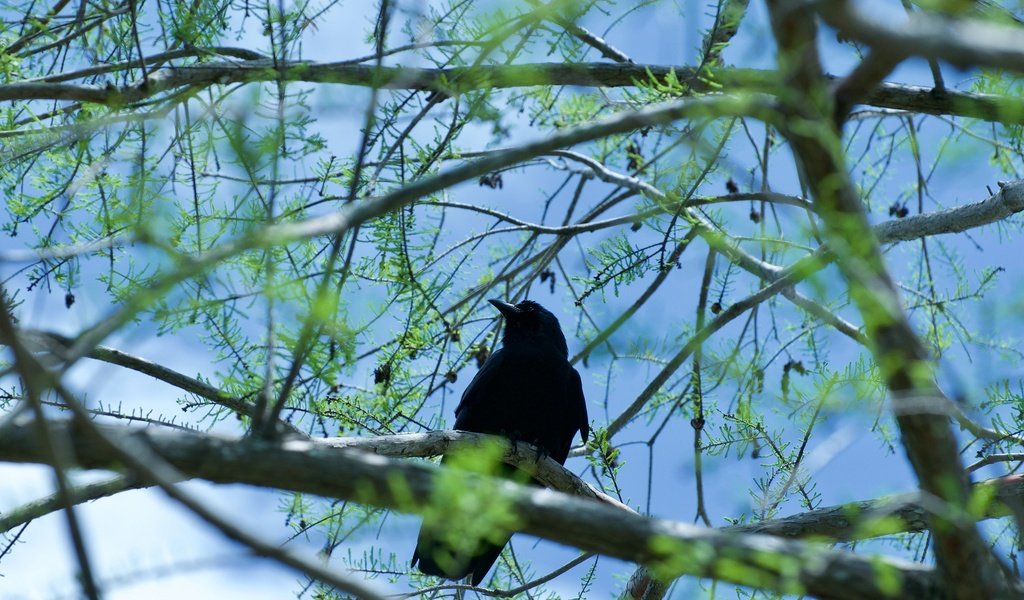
x=961, y=41
x=844, y=522
x=862, y=81
x=675, y=548
x=435, y=443
x=884, y=516
x=967, y=566
x=1007, y=109
x=1008, y=201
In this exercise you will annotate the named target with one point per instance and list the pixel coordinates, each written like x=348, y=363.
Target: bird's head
x=531, y=322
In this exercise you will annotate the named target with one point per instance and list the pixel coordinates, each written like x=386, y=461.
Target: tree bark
x=670, y=548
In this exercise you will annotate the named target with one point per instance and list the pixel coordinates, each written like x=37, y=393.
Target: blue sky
x=144, y=533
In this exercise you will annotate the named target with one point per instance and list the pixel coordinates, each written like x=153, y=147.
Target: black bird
x=526, y=391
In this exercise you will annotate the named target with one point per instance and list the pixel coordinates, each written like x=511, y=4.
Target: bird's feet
x=542, y=453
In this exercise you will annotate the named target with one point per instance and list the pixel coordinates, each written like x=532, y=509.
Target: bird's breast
x=526, y=397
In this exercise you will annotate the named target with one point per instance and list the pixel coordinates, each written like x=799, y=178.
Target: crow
x=526, y=391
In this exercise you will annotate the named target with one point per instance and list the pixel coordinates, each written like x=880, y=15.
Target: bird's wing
x=479, y=388
x=579, y=404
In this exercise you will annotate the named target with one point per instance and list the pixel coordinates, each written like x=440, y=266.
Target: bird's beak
x=506, y=309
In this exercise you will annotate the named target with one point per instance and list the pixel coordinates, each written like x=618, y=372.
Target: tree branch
x=58, y=345
x=44, y=506
x=1005, y=109
x=727, y=22
x=1008, y=201
x=967, y=566
x=357, y=213
x=846, y=522
x=884, y=516
x=584, y=35
x=674, y=548
x=435, y=443
x=961, y=41
x=863, y=80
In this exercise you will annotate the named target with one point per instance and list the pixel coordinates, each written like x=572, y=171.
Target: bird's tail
x=436, y=554
x=434, y=557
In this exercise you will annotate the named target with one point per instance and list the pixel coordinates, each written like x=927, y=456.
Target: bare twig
x=992, y=459
x=44, y=506
x=585, y=35
x=57, y=452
